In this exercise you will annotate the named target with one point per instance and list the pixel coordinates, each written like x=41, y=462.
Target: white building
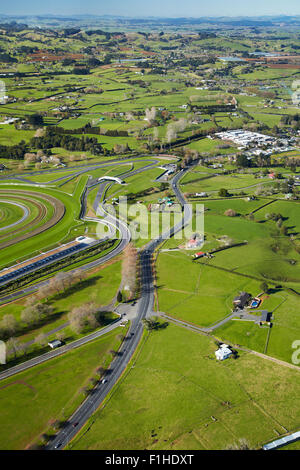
x=56, y=343
x=223, y=352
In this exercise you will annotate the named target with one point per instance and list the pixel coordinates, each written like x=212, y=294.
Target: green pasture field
x=269, y=119
x=289, y=210
x=11, y=136
x=229, y=182
x=257, y=259
x=245, y=333
x=195, y=292
x=266, y=73
x=260, y=234
x=248, y=398
x=50, y=391
x=241, y=206
x=209, y=145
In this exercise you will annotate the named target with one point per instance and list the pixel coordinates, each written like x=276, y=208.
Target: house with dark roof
x=242, y=300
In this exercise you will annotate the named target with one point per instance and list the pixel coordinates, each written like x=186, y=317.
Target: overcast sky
x=166, y=8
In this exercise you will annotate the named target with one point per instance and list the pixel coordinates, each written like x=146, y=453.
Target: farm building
x=283, y=441
x=242, y=299
x=223, y=352
x=265, y=317
x=56, y=343
x=199, y=255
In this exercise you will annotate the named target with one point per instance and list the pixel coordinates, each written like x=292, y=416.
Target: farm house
x=224, y=352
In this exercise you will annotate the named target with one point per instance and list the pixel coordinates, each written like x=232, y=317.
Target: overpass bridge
x=115, y=179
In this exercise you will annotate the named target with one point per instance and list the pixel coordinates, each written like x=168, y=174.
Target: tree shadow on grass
x=161, y=286
x=104, y=318
x=292, y=227
x=31, y=328
x=274, y=290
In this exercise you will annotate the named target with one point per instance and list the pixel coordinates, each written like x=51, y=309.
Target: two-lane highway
x=145, y=308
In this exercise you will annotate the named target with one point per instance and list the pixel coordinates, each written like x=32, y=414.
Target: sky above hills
x=158, y=8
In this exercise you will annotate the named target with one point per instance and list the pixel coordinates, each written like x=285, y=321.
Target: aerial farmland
x=149, y=234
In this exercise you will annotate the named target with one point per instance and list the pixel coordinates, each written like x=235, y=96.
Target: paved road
x=145, y=309
x=59, y=351
x=109, y=220
x=114, y=224
x=78, y=170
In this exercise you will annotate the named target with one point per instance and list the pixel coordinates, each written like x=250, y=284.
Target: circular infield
x=25, y=214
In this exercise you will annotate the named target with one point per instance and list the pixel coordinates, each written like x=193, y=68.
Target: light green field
x=248, y=398
x=49, y=392
x=195, y=292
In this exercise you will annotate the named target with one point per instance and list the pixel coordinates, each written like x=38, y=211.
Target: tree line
x=53, y=138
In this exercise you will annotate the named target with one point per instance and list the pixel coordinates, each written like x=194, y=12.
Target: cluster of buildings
x=242, y=301
x=245, y=138
x=245, y=300
x=260, y=144
x=194, y=242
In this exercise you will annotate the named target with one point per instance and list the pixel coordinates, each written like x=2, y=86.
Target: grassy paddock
x=248, y=397
x=49, y=392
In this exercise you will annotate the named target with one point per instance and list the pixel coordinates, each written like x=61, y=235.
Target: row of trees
x=35, y=311
x=33, y=315
x=129, y=270
x=52, y=139
x=89, y=129
x=14, y=152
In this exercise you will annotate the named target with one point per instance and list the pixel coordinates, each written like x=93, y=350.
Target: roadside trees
x=83, y=317
x=41, y=339
x=129, y=269
x=9, y=324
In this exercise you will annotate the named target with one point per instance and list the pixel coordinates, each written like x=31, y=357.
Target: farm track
x=59, y=211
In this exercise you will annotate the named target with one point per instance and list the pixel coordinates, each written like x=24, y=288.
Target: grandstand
x=45, y=259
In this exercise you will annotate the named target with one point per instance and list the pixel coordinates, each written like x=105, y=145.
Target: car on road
x=57, y=446
x=75, y=424
x=103, y=381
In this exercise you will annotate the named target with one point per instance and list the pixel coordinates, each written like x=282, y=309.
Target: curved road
x=145, y=308
x=109, y=220
x=114, y=225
